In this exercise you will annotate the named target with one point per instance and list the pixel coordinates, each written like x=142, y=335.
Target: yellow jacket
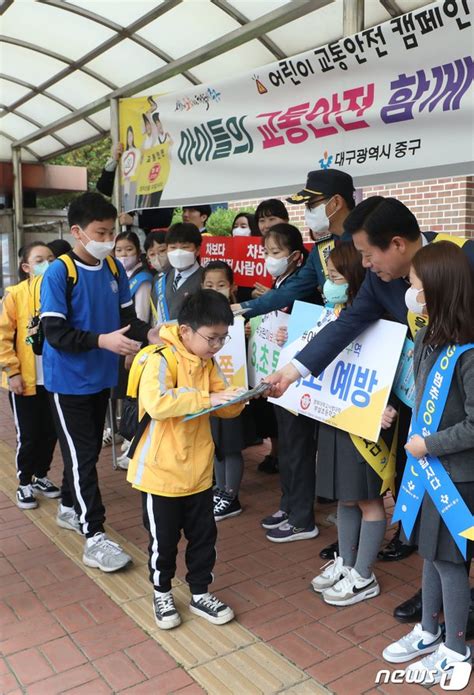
x=19, y=305
x=175, y=458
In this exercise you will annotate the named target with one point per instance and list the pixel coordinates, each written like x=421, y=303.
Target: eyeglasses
x=215, y=342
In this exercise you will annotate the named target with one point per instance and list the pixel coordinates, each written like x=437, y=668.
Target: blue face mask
x=40, y=268
x=335, y=294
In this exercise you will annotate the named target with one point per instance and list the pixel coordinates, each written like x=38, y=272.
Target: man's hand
x=16, y=384
x=125, y=219
x=259, y=289
x=117, y=342
x=281, y=379
x=117, y=151
x=153, y=336
x=416, y=446
x=389, y=416
x=281, y=336
x=220, y=397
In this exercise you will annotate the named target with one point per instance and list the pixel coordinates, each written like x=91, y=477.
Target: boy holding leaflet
x=173, y=462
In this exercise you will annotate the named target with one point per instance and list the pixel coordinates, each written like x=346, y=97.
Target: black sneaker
x=226, y=506
x=213, y=610
x=166, y=615
x=216, y=495
x=275, y=520
x=268, y=465
x=25, y=498
x=46, y=488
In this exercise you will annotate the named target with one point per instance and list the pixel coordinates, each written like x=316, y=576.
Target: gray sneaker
x=68, y=519
x=104, y=554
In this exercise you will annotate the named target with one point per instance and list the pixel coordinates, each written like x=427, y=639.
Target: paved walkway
x=67, y=629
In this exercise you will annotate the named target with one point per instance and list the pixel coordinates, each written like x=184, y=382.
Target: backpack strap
x=138, y=366
x=112, y=266
x=71, y=276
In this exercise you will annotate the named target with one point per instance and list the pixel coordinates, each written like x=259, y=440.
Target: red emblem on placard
x=154, y=172
x=305, y=401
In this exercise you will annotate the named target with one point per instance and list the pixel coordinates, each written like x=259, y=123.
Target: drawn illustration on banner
x=352, y=392
x=263, y=349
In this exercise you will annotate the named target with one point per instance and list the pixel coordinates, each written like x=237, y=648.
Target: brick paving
x=60, y=632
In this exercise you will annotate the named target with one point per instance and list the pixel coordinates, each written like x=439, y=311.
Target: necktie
x=176, y=280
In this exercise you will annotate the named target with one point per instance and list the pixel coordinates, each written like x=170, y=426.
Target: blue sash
x=163, y=313
x=428, y=473
x=138, y=279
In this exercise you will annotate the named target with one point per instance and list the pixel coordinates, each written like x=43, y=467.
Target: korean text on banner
x=263, y=349
x=383, y=104
x=352, y=392
x=232, y=358
x=245, y=255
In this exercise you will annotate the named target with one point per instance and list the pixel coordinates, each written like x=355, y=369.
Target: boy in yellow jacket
x=173, y=462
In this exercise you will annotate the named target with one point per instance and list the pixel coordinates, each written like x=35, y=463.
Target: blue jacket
x=374, y=299
x=301, y=285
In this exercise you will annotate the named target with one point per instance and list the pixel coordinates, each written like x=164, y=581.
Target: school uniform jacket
x=453, y=444
x=175, y=299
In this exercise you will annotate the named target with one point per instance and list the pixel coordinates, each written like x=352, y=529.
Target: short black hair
x=203, y=209
x=382, y=219
x=184, y=232
x=90, y=207
x=59, y=247
x=270, y=207
x=219, y=265
x=205, y=308
x=154, y=238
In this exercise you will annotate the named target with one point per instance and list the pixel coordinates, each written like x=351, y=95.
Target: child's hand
x=220, y=397
x=259, y=289
x=16, y=384
x=247, y=329
x=281, y=336
x=388, y=417
x=416, y=446
x=117, y=342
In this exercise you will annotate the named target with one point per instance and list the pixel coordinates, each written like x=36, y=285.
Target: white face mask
x=128, y=262
x=411, y=301
x=276, y=266
x=241, y=231
x=181, y=259
x=317, y=219
x=98, y=249
x=225, y=291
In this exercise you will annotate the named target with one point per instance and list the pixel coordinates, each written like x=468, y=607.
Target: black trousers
x=297, y=443
x=35, y=435
x=79, y=422
x=165, y=518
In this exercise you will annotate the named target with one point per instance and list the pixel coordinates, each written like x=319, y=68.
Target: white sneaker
x=333, y=571
x=123, y=462
x=67, y=518
x=352, y=588
x=125, y=446
x=107, y=437
x=332, y=518
x=417, y=643
x=166, y=615
x=431, y=668
x=104, y=554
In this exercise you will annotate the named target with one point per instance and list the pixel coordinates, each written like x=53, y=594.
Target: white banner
x=393, y=102
x=232, y=357
x=263, y=349
x=352, y=392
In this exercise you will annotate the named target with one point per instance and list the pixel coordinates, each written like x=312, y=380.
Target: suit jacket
x=189, y=286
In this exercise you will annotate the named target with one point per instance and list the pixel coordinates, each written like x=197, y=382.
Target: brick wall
x=441, y=205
